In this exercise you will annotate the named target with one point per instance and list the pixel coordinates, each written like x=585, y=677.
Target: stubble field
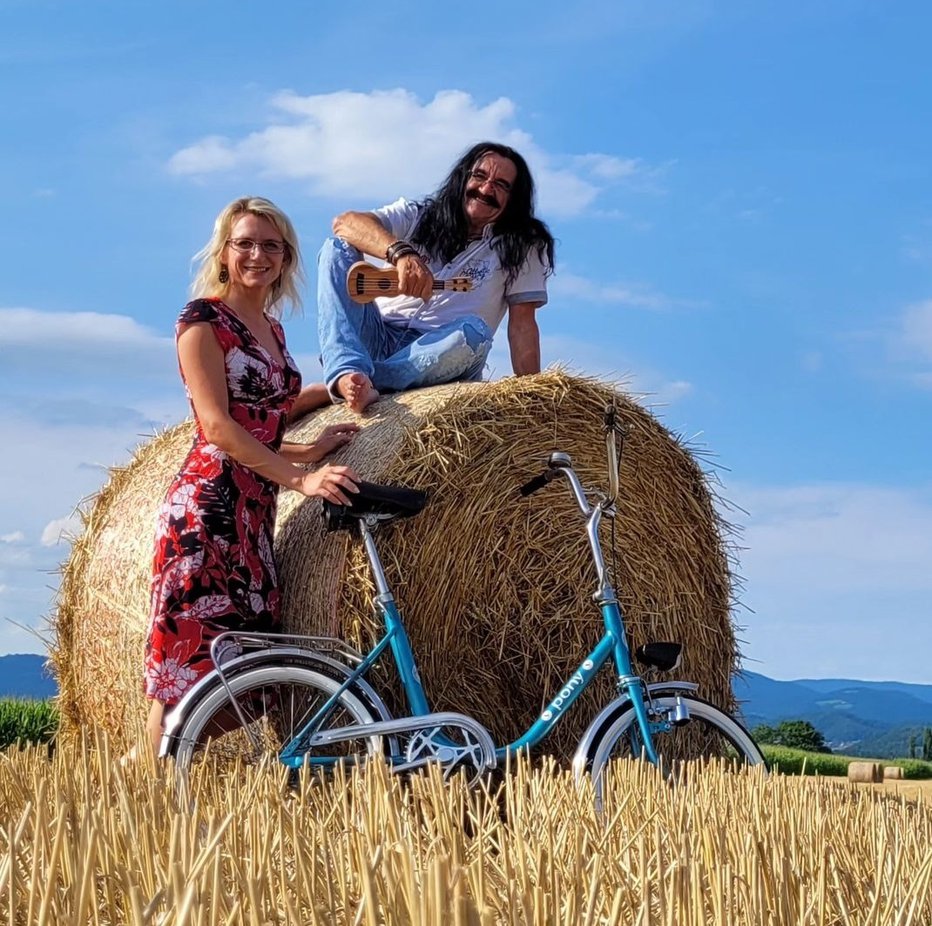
x=84, y=839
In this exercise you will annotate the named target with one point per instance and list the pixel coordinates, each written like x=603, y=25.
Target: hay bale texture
x=496, y=589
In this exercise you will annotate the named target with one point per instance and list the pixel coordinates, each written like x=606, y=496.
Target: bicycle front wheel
x=704, y=732
x=270, y=706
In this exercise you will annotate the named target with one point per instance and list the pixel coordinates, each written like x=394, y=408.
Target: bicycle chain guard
x=427, y=741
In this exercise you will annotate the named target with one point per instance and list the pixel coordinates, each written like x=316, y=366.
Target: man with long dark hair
x=480, y=224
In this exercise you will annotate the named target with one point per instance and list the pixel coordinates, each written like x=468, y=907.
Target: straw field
x=85, y=840
x=495, y=588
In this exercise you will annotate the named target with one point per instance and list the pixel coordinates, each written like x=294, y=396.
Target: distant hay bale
x=496, y=589
x=865, y=771
x=893, y=772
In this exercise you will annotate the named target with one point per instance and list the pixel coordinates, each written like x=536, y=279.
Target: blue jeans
x=356, y=339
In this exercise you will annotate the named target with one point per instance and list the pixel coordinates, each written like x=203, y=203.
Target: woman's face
x=250, y=252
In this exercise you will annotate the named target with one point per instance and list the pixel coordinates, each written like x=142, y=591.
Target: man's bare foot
x=357, y=390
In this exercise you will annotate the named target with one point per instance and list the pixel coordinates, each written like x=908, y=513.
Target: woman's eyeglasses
x=247, y=245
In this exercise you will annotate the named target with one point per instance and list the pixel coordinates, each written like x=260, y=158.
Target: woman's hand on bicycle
x=334, y=483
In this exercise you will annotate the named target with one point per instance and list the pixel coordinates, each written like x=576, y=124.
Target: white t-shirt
x=491, y=294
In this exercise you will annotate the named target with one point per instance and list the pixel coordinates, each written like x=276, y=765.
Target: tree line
x=800, y=734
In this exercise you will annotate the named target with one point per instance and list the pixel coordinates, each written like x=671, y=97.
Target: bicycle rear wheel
x=708, y=733
x=276, y=702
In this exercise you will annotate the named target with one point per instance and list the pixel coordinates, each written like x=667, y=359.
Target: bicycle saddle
x=660, y=655
x=388, y=502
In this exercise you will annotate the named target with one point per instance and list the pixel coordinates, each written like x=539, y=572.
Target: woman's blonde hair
x=286, y=288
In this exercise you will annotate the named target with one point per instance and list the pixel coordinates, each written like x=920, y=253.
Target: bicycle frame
x=612, y=645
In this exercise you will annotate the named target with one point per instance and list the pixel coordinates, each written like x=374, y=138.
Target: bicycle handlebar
x=560, y=463
x=538, y=482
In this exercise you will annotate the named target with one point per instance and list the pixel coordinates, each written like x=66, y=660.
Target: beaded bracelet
x=398, y=249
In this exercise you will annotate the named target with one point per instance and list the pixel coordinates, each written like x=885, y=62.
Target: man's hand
x=366, y=233
x=414, y=279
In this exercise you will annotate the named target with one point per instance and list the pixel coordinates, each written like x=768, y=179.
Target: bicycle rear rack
x=234, y=643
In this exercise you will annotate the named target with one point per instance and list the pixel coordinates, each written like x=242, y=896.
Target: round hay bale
x=865, y=771
x=496, y=589
x=893, y=772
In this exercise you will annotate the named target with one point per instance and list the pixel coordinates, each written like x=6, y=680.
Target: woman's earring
x=224, y=274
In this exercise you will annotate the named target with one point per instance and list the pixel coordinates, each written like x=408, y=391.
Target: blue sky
x=742, y=198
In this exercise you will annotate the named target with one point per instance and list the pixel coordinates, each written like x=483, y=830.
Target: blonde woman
x=214, y=569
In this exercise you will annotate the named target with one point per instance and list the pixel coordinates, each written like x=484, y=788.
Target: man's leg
x=454, y=352
x=351, y=335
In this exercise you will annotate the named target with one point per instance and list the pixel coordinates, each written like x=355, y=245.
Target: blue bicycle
x=308, y=701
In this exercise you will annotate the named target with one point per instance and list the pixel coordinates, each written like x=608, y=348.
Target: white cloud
x=22, y=327
x=843, y=536
x=80, y=391
x=341, y=143
x=53, y=470
x=27, y=573
x=608, y=167
x=591, y=358
x=638, y=296
x=85, y=342
x=828, y=571
x=61, y=530
x=14, y=557
x=905, y=346
x=210, y=154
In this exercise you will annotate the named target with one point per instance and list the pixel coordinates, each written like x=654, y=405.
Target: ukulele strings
x=374, y=287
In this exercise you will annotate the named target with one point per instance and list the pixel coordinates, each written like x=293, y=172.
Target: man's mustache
x=488, y=200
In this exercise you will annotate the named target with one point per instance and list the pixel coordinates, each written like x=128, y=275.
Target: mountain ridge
x=24, y=675
x=860, y=717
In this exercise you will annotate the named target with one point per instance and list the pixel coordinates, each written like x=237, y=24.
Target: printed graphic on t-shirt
x=477, y=270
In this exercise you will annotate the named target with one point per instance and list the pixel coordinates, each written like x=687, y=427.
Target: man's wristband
x=398, y=249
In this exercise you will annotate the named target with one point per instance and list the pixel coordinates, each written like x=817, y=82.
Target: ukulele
x=364, y=282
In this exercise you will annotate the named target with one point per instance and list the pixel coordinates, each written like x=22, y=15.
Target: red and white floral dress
x=214, y=568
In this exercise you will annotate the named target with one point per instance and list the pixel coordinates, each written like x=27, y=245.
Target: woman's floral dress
x=214, y=568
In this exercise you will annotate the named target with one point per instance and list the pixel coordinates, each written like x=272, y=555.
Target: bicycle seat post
x=367, y=526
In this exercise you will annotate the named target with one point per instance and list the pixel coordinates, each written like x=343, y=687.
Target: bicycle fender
x=239, y=664
x=595, y=729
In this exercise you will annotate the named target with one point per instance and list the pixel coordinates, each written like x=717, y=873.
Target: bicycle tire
x=276, y=700
x=708, y=733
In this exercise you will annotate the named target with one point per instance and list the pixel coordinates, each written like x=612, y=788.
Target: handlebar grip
x=538, y=482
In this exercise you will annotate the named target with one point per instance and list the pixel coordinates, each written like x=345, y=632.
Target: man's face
x=487, y=190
